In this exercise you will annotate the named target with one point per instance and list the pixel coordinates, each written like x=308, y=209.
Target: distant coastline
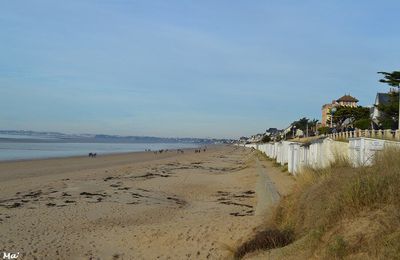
x=24, y=136
x=14, y=151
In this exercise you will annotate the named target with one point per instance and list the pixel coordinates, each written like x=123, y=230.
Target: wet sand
x=132, y=206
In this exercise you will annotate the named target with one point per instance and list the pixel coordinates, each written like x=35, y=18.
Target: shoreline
x=98, y=155
x=44, y=166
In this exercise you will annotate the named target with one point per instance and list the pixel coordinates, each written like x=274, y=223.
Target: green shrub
x=324, y=130
x=266, y=139
x=363, y=123
x=337, y=248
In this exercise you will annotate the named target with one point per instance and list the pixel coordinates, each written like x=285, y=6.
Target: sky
x=218, y=69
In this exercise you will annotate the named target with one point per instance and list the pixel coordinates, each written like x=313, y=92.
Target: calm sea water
x=18, y=151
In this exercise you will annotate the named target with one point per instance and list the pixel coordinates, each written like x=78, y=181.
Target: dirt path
x=267, y=193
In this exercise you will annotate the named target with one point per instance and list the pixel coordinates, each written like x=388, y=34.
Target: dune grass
x=262, y=156
x=343, y=212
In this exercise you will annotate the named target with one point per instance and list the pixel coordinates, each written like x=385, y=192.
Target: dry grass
x=305, y=139
x=262, y=156
x=344, y=211
x=342, y=139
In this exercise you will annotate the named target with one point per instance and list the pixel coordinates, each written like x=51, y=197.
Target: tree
x=363, y=123
x=393, y=80
x=389, y=112
x=323, y=130
x=266, y=139
x=301, y=124
x=356, y=116
x=304, y=124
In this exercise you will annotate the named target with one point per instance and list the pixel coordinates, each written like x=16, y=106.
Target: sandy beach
x=137, y=205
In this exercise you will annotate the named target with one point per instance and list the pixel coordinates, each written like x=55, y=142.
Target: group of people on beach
x=160, y=151
x=199, y=150
x=179, y=151
x=93, y=155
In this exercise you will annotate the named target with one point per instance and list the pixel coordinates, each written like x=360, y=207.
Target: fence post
x=397, y=135
x=379, y=135
x=384, y=133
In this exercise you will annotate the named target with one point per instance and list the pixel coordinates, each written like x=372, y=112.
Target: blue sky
x=188, y=68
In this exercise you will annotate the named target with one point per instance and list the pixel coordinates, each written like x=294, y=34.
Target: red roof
x=347, y=98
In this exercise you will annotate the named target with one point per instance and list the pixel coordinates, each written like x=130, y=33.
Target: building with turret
x=345, y=101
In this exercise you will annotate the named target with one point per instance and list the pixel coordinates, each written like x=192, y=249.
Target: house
x=326, y=116
x=287, y=130
x=345, y=101
x=274, y=133
x=271, y=131
x=299, y=133
x=380, y=99
x=255, y=138
x=243, y=139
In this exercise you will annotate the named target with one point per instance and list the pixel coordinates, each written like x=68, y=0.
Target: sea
x=13, y=149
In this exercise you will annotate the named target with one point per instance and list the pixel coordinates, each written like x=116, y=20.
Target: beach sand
x=133, y=206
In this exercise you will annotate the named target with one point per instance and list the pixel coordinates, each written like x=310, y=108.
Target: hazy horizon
x=188, y=69
x=94, y=134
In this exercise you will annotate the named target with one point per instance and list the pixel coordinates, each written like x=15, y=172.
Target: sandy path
x=267, y=193
x=176, y=207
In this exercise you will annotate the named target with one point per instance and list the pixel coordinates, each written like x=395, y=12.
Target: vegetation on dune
x=390, y=112
x=338, y=212
x=263, y=156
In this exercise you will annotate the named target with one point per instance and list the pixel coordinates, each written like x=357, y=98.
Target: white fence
x=375, y=134
x=362, y=150
x=322, y=152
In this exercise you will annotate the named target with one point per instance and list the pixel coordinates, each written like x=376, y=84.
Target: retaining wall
x=322, y=152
